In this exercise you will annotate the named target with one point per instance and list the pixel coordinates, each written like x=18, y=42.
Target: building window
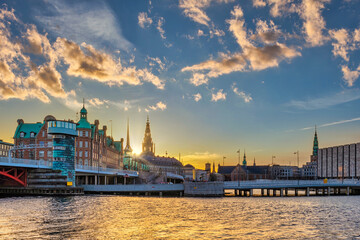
x=80, y=144
x=41, y=154
x=81, y=134
x=49, y=154
x=22, y=134
x=87, y=133
x=41, y=143
x=80, y=154
x=49, y=144
x=86, y=153
x=86, y=144
x=43, y=133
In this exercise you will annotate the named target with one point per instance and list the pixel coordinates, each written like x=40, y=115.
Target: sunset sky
x=213, y=76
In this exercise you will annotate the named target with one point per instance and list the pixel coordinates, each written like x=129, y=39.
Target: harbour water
x=119, y=217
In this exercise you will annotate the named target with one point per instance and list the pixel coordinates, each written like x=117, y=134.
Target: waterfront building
x=339, y=161
x=92, y=145
x=284, y=172
x=5, y=148
x=63, y=137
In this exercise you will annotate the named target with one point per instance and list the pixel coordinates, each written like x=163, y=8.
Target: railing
x=30, y=163
x=289, y=183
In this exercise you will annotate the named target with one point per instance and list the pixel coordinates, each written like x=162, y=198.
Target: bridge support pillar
x=323, y=191
x=329, y=191
x=286, y=191
x=307, y=191
x=281, y=192
x=115, y=180
x=348, y=191
x=274, y=192
x=251, y=192
x=316, y=191
x=124, y=180
x=262, y=192
x=86, y=180
x=105, y=180
x=296, y=191
x=268, y=192
x=96, y=178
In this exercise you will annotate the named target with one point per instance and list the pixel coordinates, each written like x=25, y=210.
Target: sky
x=214, y=76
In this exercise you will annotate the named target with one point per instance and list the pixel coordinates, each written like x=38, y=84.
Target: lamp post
x=272, y=160
x=297, y=156
x=238, y=168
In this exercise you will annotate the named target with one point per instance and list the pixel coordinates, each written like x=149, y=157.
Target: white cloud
x=197, y=97
x=246, y=97
x=81, y=23
x=158, y=106
x=252, y=58
x=334, y=123
x=218, y=96
x=159, y=27
x=327, y=101
x=341, y=46
x=350, y=76
x=96, y=102
x=143, y=20
x=314, y=23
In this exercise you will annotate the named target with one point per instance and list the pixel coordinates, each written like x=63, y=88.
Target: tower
x=244, y=161
x=83, y=111
x=254, y=162
x=128, y=149
x=148, y=147
x=314, y=156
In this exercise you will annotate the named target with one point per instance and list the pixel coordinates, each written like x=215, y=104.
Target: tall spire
x=254, y=162
x=128, y=148
x=244, y=161
x=148, y=147
x=316, y=144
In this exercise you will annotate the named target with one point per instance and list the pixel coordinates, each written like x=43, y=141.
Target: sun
x=137, y=150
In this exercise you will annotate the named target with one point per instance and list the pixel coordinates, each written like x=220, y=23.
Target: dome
x=189, y=166
x=49, y=118
x=83, y=110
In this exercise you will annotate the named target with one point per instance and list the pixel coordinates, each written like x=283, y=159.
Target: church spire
x=128, y=148
x=316, y=144
x=254, y=162
x=148, y=147
x=244, y=161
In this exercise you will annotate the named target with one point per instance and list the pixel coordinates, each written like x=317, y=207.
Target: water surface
x=119, y=217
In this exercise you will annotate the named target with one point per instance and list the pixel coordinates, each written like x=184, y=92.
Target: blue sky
x=214, y=76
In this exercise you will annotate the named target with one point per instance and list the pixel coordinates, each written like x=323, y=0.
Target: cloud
x=277, y=7
x=246, y=97
x=333, y=123
x=143, y=20
x=87, y=62
x=195, y=10
x=218, y=96
x=350, y=76
x=159, y=27
x=91, y=22
x=96, y=102
x=314, y=23
x=327, y=101
x=252, y=58
x=197, y=97
x=341, y=46
x=158, y=106
x=156, y=61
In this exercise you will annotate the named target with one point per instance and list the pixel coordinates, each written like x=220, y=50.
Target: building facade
x=5, y=148
x=92, y=145
x=339, y=161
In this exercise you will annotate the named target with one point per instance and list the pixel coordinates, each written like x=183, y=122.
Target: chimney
x=20, y=121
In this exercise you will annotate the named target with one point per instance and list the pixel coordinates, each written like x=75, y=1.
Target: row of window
x=83, y=133
x=5, y=147
x=4, y=153
x=80, y=144
x=62, y=124
x=81, y=153
x=42, y=154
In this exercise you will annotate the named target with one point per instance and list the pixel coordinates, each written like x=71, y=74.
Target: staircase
x=46, y=178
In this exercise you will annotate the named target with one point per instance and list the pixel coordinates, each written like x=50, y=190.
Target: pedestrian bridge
x=308, y=187
x=80, y=169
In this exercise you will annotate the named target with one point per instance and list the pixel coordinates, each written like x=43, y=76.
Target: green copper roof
x=27, y=128
x=83, y=123
x=109, y=141
x=92, y=131
x=83, y=110
x=101, y=132
x=117, y=145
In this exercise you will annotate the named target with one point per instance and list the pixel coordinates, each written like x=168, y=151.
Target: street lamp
x=238, y=168
x=297, y=156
